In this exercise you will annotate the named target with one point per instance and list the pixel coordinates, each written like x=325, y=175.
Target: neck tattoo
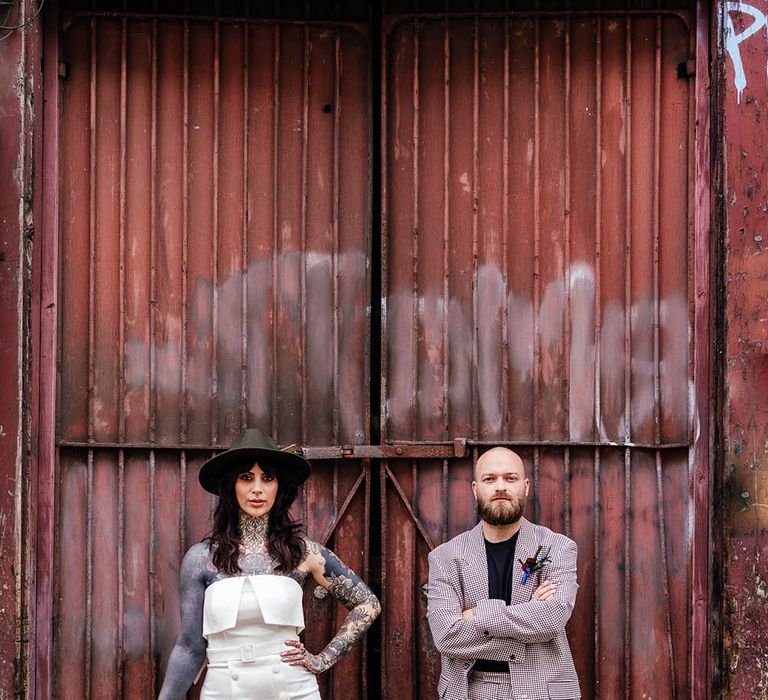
x=253, y=533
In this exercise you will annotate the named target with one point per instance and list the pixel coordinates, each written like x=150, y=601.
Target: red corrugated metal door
x=215, y=197
x=538, y=228
x=214, y=236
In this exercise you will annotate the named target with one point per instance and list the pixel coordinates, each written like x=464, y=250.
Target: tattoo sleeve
x=189, y=651
x=348, y=588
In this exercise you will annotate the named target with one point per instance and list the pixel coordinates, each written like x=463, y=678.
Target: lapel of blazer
x=526, y=547
x=475, y=569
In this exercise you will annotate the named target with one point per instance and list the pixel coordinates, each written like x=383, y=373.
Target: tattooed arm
x=189, y=651
x=346, y=586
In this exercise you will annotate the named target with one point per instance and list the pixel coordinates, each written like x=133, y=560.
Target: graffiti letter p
x=732, y=39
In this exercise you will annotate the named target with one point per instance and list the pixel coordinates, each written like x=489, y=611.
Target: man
x=500, y=596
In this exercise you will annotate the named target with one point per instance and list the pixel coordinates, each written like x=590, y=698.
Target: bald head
x=500, y=488
x=500, y=458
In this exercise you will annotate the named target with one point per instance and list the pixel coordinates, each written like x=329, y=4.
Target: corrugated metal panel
x=214, y=236
x=538, y=229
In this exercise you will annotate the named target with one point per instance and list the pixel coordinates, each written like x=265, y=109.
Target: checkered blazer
x=528, y=634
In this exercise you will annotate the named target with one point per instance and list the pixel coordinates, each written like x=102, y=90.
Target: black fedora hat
x=251, y=446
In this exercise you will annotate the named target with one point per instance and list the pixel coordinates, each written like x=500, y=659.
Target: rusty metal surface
x=214, y=231
x=20, y=52
x=539, y=256
x=742, y=524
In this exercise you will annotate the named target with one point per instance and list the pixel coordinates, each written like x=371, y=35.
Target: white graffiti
x=733, y=40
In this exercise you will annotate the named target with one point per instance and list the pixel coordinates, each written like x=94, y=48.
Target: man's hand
x=545, y=590
x=469, y=614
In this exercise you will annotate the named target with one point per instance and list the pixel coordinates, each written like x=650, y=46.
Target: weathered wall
x=741, y=486
x=743, y=668
x=19, y=55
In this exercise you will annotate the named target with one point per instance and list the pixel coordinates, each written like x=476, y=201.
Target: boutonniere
x=533, y=564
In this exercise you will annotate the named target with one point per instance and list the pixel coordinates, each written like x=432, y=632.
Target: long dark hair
x=284, y=542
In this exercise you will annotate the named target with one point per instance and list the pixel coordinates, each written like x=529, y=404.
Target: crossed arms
x=495, y=623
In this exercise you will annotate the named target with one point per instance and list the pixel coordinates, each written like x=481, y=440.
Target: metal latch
x=393, y=450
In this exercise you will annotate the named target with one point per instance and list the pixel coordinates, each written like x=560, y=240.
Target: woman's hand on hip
x=297, y=655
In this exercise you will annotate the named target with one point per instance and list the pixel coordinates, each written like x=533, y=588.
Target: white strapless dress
x=247, y=620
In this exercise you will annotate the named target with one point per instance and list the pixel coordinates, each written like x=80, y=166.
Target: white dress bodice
x=236, y=608
x=246, y=621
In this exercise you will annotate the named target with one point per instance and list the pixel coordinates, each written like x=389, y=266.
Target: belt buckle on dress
x=247, y=653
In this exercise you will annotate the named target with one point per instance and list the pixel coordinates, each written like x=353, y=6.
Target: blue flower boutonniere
x=533, y=564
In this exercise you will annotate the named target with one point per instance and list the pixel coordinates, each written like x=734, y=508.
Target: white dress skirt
x=247, y=620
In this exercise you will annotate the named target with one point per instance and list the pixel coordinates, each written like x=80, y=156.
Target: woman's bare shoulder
x=197, y=561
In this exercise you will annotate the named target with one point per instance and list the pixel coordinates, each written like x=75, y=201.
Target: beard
x=501, y=512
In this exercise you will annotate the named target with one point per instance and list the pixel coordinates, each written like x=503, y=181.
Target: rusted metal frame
x=153, y=344
x=628, y=628
x=598, y=223
x=505, y=241
x=91, y=223
x=275, y=226
x=369, y=292
x=303, y=370
x=444, y=494
x=183, y=504
x=244, y=237
x=628, y=236
x=446, y=220
x=475, y=222
x=536, y=253
x=16, y=394
x=88, y=653
x=215, y=234
x=91, y=369
x=567, y=275
x=366, y=557
x=699, y=669
x=152, y=356
x=596, y=561
x=656, y=233
x=204, y=19
x=121, y=357
x=121, y=277
x=185, y=240
x=384, y=551
x=391, y=449
x=384, y=344
x=184, y=288
x=121, y=569
x=45, y=343
x=627, y=365
x=414, y=621
x=326, y=536
x=415, y=238
x=408, y=507
x=153, y=237
x=335, y=197
x=152, y=573
x=576, y=443
x=444, y=482
x=665, y=570
x=597, y=420
x=535, y=13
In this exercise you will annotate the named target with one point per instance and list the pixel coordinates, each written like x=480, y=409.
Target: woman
x=241, y=589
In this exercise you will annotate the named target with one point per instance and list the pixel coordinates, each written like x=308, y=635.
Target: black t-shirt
x=501, y=564
x=501, y=571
